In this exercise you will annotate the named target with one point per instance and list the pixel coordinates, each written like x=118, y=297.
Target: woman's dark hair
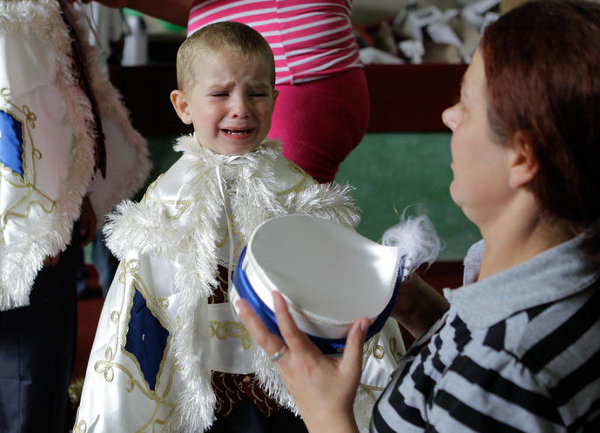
x=542, y=66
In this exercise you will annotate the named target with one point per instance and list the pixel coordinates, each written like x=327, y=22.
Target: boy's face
x=230, y=103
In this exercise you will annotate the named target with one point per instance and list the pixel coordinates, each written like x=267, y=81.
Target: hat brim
x=242, y=288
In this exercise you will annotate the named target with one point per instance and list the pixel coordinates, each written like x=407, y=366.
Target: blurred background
x=415, y=53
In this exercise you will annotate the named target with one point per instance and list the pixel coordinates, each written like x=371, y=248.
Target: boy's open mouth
x=237, y=131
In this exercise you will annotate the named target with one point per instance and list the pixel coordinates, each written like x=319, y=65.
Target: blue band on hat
x=328, y=346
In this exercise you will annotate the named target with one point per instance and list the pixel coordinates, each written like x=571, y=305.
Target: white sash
x=231, y=346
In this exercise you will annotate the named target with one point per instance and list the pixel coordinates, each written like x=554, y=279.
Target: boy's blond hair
x=221, y=36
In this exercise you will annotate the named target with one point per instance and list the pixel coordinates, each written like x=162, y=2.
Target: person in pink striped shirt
x=323, y=107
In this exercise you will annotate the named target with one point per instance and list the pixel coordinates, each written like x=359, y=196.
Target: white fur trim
x=41, y=20
x=190, y=239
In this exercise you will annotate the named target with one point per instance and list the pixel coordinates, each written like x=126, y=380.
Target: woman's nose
x=450, y=117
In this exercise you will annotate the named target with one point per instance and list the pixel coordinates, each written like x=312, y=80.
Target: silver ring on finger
x=278, y=354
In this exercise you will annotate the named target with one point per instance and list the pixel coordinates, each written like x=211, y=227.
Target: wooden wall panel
x=145, y=91
x=404, y=98
x=411, y=97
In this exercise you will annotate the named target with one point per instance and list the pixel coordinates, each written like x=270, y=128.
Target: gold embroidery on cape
x=150, y=188
x=395, y=349
x=372, y=348
x=231, y=329
x=301, y=183
x=107, y=367
x=80, y=426
x=173, y=209
x=371, y=390
x=31, y=195
x=238, y=238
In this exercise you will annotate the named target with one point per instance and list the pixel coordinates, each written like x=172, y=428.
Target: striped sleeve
x=537, y=371
x=310, y=39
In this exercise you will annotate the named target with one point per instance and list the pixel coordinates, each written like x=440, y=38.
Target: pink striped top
x=310, y=39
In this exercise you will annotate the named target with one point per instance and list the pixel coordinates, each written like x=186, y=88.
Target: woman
x=518, y=347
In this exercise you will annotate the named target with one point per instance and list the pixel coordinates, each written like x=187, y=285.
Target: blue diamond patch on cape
x=11, y=143
x=146, y=339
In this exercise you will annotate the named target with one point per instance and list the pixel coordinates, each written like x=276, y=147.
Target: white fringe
x=42, y=20
x=416, y=238
x=190, y=241
x=110, y=106
x=21, y=261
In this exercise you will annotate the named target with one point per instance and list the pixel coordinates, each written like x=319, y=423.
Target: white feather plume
x=416, y=238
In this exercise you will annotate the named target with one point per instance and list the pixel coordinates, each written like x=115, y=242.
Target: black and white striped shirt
x=516, y=352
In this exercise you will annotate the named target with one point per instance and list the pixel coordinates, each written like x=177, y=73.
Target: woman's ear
x=181, y=105
x=524, y=165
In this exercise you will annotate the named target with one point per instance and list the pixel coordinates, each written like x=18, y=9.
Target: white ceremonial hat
x=329, y=276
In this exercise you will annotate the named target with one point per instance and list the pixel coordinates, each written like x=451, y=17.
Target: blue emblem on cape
x=146, y=339
x=11, y=143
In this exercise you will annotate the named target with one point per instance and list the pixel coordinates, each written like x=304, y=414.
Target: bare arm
x=173, y=11
x=418, y=306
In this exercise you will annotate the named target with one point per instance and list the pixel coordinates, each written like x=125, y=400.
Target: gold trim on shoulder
x=300, y=185
x=172, y=209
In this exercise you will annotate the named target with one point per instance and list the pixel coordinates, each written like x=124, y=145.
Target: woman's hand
x=322, y=387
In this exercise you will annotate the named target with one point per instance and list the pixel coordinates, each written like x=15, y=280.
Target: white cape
x=170, y=245
x=47, y=140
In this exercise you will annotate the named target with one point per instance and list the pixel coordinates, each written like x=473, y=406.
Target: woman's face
x=480, y=165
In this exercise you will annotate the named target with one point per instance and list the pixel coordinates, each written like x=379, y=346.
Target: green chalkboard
x=390, y=171
x=393, y=171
